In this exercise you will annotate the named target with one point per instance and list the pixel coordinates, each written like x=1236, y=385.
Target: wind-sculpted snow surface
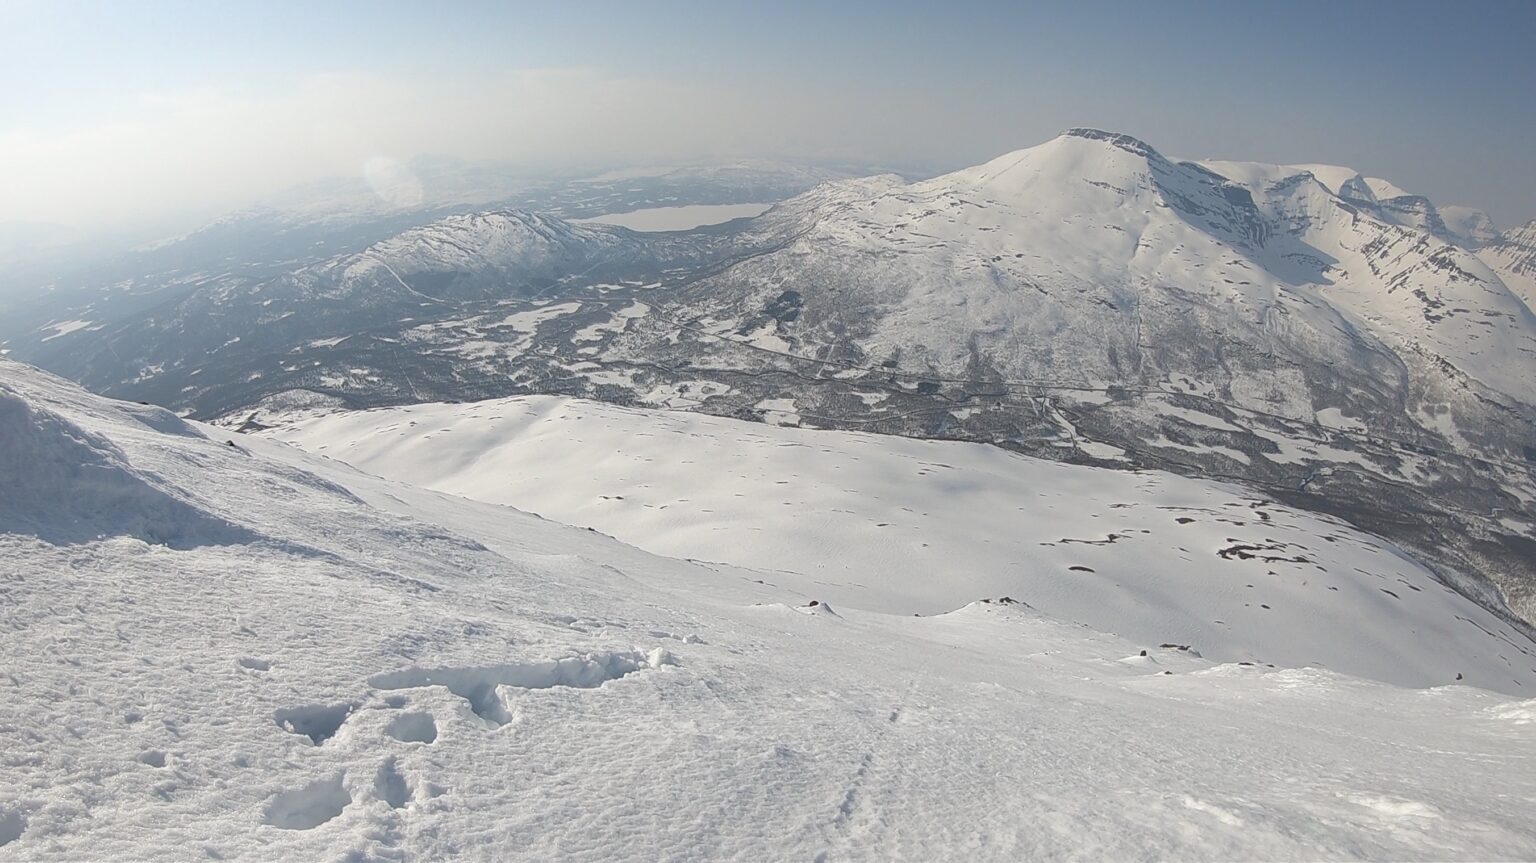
x=66, y=484
x=163, y=702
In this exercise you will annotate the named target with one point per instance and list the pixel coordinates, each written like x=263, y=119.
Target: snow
x=1091, y=259
x=356, y=668
x=682, y=394
x=477, y=242
x=778, y=412
x=678, y=218
x=614, y=324
x=64, y=328
x=1513, y=256
x=1471, y=227
x=528, y=322
x=904, y=526
x=1335, y=177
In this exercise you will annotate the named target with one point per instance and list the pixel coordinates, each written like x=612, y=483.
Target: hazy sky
x=138, y=110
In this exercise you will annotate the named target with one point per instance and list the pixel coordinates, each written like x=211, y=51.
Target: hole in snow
x=478, y=686
x=308, y=807
x=318, y=722
x=12, y=825
x=390, y=786
x=413, y=728
x=154, y=758
x=255, y=664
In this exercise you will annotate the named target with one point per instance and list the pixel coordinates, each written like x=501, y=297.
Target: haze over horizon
x=121, y=115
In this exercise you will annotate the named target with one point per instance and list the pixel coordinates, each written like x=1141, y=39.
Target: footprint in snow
x=318, y=722
x=413, y=728
x=12, y=825
x=308, y=807
x=391, y=786
x=480, y=686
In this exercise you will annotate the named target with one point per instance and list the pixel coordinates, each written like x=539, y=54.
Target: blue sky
x=117, y=108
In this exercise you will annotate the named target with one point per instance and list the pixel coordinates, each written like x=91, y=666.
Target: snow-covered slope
x=465, y=255
x=1513, y=256
x=1341, y=180
x=907, y=526
x=325, y=665
x=1468, y=226
x=1408, y=289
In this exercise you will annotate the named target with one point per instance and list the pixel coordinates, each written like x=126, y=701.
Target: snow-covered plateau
x=220, y=646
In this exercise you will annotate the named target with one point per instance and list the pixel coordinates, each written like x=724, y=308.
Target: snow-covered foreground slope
x=294, y=660
x=906, y=526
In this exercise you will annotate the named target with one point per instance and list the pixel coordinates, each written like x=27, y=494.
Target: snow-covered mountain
x=1050, y=263
x=1513, y=256
x=1468, y=226
x=220, y=647
x=1305, y=330
x=233, y=329
x=1234, y=319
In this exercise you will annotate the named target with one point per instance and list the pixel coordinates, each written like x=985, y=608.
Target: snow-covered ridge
x=1513, y=256
x=67, y=485
x=492, y=238
x=1468, y=226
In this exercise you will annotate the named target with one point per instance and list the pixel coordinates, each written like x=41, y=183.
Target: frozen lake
x=679, y=218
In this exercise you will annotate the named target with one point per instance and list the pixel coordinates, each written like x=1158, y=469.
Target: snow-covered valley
x=222, y=647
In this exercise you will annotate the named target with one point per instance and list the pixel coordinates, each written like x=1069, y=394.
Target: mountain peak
x=1115, y=139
